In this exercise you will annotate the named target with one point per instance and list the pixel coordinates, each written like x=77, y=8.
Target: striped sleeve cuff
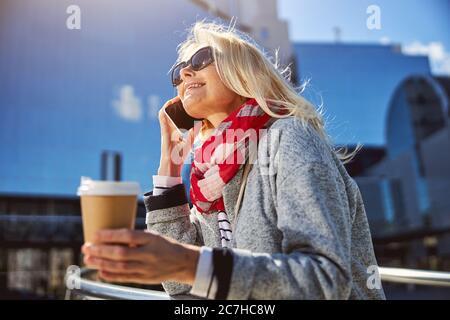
x=203, y=274
x=162, y=183
x=172, y=197
x=213, y=274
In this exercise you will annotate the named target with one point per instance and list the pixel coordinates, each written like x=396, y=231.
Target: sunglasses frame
x=189, y=63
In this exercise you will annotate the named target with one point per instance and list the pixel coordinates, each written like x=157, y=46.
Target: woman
x=299, y=230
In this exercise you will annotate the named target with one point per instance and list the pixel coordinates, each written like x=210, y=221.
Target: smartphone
x=179, y=117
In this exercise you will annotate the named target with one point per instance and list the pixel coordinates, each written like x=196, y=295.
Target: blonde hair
x=246, y=70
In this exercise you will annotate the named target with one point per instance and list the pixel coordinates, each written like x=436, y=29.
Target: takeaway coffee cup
x=107, y=205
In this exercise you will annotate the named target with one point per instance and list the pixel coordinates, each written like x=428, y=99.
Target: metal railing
x=414, y=276
x=89, y=289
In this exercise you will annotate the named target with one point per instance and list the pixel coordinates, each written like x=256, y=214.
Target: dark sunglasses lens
x=176, y=75
x=201, y=59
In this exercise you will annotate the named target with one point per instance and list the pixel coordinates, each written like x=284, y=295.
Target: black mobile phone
x=179, y=117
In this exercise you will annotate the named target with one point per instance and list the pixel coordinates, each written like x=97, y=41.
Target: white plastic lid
x=89, y=187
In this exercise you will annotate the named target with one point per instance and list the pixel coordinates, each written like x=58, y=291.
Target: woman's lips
x=190, y=90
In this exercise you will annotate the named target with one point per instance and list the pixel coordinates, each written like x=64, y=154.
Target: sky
x=422, y=27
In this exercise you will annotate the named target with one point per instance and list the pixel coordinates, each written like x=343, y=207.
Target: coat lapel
x=231, y=192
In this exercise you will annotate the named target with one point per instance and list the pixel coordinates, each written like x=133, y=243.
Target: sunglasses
x=199, y=60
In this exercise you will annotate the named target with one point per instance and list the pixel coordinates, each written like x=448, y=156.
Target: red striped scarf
x=220, y=157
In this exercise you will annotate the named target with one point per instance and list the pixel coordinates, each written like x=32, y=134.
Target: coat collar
x=231, y=193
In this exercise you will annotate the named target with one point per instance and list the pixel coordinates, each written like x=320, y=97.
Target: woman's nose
x=186, y=72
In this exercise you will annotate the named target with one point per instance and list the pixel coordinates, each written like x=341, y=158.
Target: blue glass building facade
x=418, y=152
x=354, y=82
x=68, y=95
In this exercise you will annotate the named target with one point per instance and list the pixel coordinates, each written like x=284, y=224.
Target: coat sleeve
x=169, y=215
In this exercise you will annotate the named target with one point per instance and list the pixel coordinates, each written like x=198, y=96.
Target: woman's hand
x=173, y=148
x=144, y=257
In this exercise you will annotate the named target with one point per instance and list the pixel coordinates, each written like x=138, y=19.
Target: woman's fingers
x=114, y=266
x=193, y=133
x=123, y=236
x=113, y=252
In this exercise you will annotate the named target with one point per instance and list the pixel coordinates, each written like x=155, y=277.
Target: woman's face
x=211, y=98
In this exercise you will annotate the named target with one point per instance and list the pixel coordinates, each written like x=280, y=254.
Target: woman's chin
x=192, y=109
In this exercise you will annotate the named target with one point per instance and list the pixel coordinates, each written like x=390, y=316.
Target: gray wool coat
x=301, y=231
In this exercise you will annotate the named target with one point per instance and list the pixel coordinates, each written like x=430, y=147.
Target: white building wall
x=262, y=18
x=268, y=29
